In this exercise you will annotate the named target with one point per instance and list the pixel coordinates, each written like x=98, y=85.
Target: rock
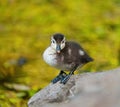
x=100, y=89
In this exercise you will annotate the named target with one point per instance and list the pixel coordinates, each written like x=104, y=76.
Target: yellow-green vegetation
x=25, y=30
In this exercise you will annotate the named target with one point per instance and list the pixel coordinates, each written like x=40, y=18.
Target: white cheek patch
x=81, y=52
x=62, y=46
x=53, y=46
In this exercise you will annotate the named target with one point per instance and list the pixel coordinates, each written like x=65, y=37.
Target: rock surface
x=100, y=89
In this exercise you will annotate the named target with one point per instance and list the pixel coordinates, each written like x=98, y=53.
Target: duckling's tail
x=87, y=59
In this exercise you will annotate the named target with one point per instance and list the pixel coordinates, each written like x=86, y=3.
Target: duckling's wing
x=78, y=54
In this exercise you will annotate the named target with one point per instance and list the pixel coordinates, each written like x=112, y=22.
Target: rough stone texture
x=87, y=90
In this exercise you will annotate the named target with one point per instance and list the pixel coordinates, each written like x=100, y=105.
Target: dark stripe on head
x=58, y=37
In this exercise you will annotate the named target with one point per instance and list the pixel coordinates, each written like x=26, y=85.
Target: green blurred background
x=25, y=30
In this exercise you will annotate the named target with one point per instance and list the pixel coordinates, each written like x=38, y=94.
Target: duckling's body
x=68, y=58
x=72, y=55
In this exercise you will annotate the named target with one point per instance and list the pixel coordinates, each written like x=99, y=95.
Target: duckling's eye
x=63, y=41
x=53, y=41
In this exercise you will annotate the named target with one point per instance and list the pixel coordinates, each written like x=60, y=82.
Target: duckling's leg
x=65, y=79
x=61, y=75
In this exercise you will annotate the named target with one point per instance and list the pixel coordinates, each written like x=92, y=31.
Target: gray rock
x=100, y=89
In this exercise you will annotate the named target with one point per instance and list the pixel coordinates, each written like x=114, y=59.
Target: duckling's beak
x=58, y=48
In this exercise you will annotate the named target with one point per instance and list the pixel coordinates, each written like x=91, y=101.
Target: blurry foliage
x=25, y=30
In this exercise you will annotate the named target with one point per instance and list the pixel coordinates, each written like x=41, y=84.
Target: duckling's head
x=58, y=42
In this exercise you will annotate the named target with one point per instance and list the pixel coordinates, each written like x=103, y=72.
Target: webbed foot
x=65, y=79
x=61, y=76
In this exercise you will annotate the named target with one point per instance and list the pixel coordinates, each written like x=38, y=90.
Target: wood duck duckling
x=66, y=56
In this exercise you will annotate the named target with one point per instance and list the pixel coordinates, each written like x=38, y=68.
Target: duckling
x=66, y=56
